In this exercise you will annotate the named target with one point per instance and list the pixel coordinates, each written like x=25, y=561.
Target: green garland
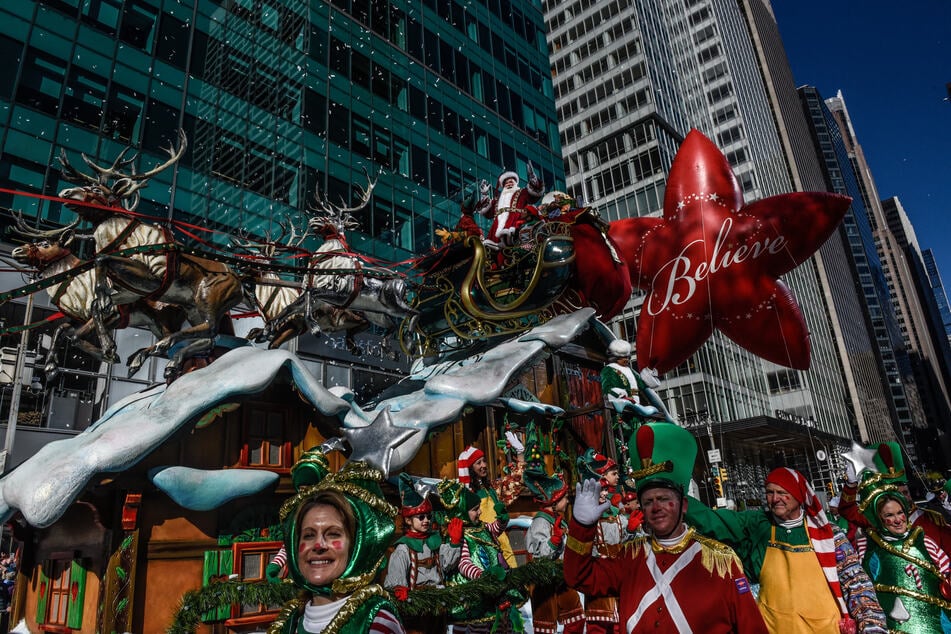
x=194, y=603
x=486, y=590
x=423, y=601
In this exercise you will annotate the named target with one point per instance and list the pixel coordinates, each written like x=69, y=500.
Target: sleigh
x=471, y=294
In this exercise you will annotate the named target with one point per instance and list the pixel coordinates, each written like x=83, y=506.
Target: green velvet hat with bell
x=662, y=455
x=359, y=484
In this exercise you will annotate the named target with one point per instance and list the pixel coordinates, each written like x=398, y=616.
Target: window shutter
x=209, y=573
x=77, y=592
x=44, y=593
x=225, y=567
x=218, y=565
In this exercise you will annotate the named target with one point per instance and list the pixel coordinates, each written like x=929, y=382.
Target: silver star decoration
x=862, y=459
x=377, y=442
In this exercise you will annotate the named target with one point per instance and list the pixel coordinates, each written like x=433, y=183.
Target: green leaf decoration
x=486, y=590
x=194, y=603
x=121, y=606
x=214, y=413
x=127, y=542
x=121, y=573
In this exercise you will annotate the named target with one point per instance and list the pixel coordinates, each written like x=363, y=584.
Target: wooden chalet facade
x=122, y=556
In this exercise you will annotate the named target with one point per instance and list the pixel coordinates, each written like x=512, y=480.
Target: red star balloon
x=712, y=262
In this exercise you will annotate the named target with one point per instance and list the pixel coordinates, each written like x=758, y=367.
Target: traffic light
x=723, y=474
x=718, y=487
x=831, y=488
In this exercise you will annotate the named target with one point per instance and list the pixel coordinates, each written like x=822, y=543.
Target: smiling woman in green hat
x=337, y=529
x=908, y=568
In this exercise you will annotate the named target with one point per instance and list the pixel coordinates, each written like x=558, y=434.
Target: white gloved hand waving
x=517, y=445
x=588, y=509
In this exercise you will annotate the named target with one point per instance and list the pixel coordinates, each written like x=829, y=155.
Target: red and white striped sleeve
x=386, y=623
x=468, y=569
x=861, y=543
x=938, y=556
x=280, y=558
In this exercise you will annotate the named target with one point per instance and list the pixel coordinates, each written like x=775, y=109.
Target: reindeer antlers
x=52, y=234
x=337, y=216
x=133, y=180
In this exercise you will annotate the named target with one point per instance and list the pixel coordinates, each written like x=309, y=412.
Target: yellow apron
x=794, y=596
x=488, y=516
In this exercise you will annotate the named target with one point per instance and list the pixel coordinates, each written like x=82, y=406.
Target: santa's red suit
x=508, y=209
x=696, y=584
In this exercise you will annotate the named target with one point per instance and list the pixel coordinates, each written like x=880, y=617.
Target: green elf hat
x=359, y=484
x=662, y=455
x=593, y=465
x=457, y=499
x=873, y=487
x=311, y=468
x=889, y=462
x=411, y=501
x=547, y=489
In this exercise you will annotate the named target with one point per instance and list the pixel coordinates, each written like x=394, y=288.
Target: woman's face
x=475, y=514
x=323, y=549
x=893, y=518
x=480, y=467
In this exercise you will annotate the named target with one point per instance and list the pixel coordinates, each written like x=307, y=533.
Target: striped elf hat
x=466, y=459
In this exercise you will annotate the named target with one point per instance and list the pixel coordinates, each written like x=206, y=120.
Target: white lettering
x=677, y=279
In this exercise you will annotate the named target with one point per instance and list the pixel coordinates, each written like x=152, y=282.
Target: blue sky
x=891, y=60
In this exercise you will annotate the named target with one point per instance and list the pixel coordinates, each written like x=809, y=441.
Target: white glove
x=588, y=508
x=515, y=442
x=850, y=476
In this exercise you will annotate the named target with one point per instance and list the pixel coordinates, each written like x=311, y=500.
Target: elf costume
x=601, y=612
x=890, y=464
x=545, y=539
x=421, y=559
x=496, y=495
x=481, y=555
x=810, y=577
x=686, y=583
x=365, y=606
x=910, y=571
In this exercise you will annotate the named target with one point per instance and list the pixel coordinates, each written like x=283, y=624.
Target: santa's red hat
x=466, y=459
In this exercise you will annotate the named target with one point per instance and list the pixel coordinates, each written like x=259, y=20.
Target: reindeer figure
x=280, y=305
x=376, y=293
x=205, y=289
x=74, y=297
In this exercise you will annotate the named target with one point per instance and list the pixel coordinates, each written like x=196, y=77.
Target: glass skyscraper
x=627, y=94
x=278, y=99
x=870, y=330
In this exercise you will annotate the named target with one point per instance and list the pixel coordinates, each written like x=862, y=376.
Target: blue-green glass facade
x=278, y=99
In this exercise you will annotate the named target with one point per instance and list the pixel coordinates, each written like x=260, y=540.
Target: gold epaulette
x=936, y=517
x=717, y=557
